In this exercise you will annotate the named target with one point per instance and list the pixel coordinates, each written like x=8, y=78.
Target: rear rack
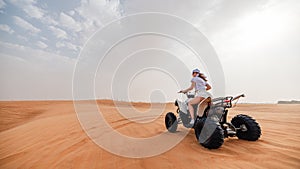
x=222, y=102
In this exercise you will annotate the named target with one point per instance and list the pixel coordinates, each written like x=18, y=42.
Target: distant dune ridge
x=47, y=134
x=289, y=102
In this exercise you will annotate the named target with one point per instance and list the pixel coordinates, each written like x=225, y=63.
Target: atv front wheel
x=171, y=122
x=209, y=133
x=247, y=127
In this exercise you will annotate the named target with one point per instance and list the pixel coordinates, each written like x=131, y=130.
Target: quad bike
x=212, y=127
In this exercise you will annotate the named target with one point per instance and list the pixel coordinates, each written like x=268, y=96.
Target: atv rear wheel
x=171, y=122
x=248, y=128
x=209, y=133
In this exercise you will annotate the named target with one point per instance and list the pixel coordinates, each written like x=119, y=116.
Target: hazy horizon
x=257, y=44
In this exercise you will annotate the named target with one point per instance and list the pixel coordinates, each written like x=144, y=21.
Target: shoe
x=192, y=122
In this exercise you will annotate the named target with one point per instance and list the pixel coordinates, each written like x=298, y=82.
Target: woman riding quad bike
x=199, y=82
x=210, y=125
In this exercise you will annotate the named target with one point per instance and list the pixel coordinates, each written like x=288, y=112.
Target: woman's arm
x=208, y=87
x=188, y=89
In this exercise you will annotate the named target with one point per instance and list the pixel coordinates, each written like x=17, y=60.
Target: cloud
x=49, y=20
x=2, y=4
x=71, y=12
x=71, y=28
x=69, y=22
x=6, y=28
x=99, y=11
x=34, y=56
x=265, y=26
x=25, y=25
x=28, y=73
x=43, y=38
x=41, y=45
x=95, y=14
x=22, y=37
x=67, y=45
x=259, y=44
x=34, y=11
x=30, y=8
x=59, y=44
x=59, y=33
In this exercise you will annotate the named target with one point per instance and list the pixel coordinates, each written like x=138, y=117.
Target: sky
x=257, y=44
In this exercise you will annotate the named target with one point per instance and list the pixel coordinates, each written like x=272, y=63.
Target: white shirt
x=200, y=84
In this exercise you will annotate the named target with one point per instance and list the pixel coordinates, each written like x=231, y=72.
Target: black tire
x=171, y=122
x=209, y=133
x=252, y=132
x=185, y=119
x=198, y=126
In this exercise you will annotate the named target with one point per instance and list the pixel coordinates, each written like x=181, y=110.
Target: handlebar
x=188, y=95
x=237, y=97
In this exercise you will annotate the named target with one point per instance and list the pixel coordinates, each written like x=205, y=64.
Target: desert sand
x=47, y=134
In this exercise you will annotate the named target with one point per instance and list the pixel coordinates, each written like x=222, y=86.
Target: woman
x=199, y=82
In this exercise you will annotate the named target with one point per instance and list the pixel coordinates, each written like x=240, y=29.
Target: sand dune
x=47, y=134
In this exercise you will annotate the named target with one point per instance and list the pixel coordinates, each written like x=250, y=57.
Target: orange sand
x=47, y=134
